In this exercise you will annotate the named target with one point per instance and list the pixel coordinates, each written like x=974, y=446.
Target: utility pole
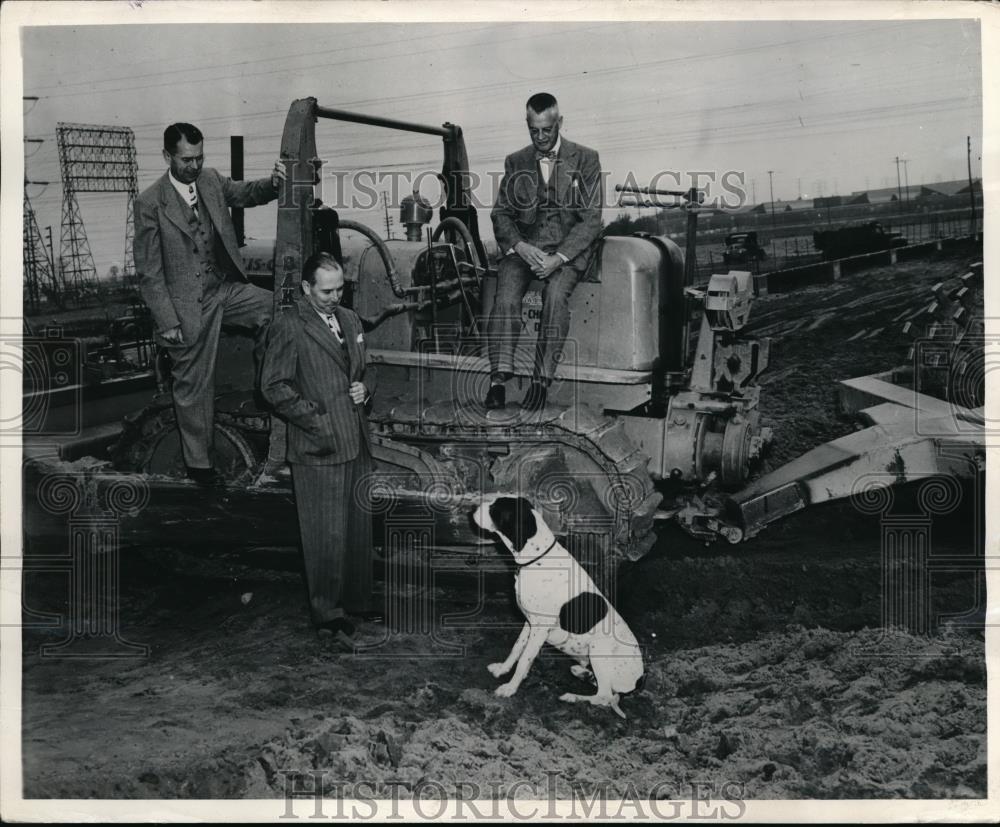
x=972, y=194
x=899, y=185
x=753, y=191
x=906, y=180
x=770, y=176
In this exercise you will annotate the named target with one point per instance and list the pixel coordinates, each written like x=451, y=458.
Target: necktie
x=193, y=198
x=334, y=326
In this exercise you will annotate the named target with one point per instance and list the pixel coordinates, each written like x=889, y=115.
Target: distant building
x=924, y=192
x=782, y=206
x=841, y=200
x=821, y=205
x=948, y=189
x=885, y=195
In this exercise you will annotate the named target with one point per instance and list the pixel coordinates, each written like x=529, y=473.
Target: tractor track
x=624, y=488
x=617, y=501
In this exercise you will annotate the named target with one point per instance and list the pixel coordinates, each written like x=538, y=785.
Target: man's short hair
x=541, y=101
x=173, y=134
x=317, y=262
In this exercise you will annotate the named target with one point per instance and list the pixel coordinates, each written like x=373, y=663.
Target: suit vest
x=547, y=230
x=206, y=244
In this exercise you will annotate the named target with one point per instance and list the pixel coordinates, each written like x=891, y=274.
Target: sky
x=826, y=105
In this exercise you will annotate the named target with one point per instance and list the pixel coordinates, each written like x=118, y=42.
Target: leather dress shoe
x=339, y=630
x=534, y=399
x=496, y=397
x=206, y=477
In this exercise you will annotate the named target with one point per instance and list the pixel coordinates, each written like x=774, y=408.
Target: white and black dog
x=562, y=606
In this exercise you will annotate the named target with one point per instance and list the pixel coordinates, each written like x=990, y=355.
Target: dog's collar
x=539, y=557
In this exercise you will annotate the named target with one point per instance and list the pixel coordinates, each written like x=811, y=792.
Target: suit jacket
x=166, y=264
x=305, y=377
x=579, y=193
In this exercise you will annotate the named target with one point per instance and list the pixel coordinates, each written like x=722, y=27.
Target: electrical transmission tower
x=39, y=272
x=94, y=159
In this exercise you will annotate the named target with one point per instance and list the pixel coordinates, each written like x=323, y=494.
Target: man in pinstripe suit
x=314, y=374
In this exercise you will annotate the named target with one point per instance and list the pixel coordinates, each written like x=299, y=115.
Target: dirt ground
x=768, y=664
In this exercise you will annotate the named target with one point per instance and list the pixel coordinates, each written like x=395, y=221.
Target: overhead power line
x=630, y=67
x=297, y=69
x=231, y=65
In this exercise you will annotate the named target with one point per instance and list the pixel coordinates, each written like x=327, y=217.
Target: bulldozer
x=645, y=404
x=653, y=413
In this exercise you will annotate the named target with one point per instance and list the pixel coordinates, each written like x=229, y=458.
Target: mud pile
x=822, y=334
x=805, y=713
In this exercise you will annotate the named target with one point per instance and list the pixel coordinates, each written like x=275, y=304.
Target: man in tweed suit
x=192, y=279
x=546, y=218
x=315, y=375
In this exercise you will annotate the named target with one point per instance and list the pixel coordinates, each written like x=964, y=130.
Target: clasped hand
x=542, y=264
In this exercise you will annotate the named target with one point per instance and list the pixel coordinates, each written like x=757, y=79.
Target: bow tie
x=545, y=156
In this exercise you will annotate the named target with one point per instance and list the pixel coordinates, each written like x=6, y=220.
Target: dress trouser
x=336, y=528
x=513, y=277
x=193, y=363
